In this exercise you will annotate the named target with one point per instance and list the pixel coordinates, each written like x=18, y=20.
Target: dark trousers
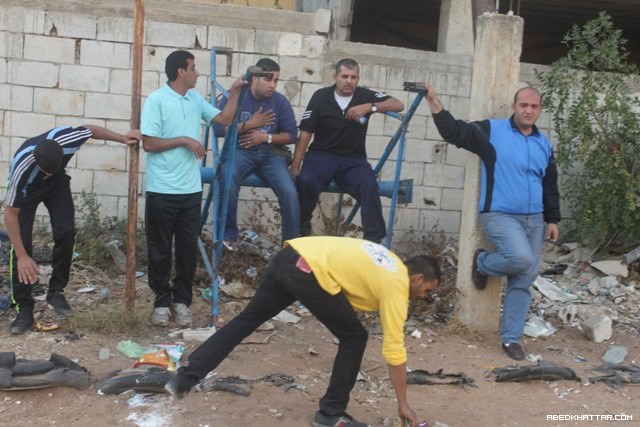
x=283, y=284
x=56, y=196
x=354, y=175
x=170, y=217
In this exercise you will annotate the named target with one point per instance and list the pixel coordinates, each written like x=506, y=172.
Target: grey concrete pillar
x=495, y=75
x=455, y=34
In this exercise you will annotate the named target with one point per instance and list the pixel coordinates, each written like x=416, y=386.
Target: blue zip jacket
x=518, y=174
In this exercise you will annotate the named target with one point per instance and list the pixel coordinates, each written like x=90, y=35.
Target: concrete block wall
x=74, y=66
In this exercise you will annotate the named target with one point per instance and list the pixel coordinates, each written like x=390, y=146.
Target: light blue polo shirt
x=167, y=114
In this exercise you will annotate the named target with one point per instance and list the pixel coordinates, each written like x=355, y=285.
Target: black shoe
x=320, y=419
x=513, y=350
x=23, y=321
x=59, y=303
x=478, y=279
x=178, y=386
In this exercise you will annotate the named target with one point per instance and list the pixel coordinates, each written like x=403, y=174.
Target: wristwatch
x=269, y=138
x=374, y=108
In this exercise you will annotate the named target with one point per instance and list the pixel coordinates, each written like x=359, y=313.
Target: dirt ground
x=305, y=351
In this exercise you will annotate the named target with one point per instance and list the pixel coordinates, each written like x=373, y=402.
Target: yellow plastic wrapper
x=157, y=358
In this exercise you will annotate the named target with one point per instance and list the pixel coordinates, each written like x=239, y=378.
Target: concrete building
x=69, y=62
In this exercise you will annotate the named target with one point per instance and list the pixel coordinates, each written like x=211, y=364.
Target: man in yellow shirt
x=331, y=276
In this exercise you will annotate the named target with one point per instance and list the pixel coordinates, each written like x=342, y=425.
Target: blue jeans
x=274, y=170
x=518, y=241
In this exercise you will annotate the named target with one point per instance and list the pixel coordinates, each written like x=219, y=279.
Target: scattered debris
x=615, y=355
x=58, y=371
x=617, y=375
x=540, y=371
x=419, y=376
x=143, y=380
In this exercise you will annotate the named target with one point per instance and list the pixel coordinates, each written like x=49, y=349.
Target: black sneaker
x=178, y=386
x=59, y=303
x=23, y=321
x=478, y=279
x=320, y=419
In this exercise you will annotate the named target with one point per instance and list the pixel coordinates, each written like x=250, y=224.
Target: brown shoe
x=513, y=350
x=478, y=279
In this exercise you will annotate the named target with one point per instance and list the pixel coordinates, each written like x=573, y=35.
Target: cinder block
x=447, y=221
x=452, y=199
x=108, y=205
x=290, y=44
x=81, y=179
x=69, y=25
x=105, y=54
x=5, y=96
x=425, y=197
x=153, y=58
x=108, y=106
x=420, y=150
x=84, y=78
x=18, y=20
x=22, y=98
x=11, y=45
x=31, y=73
x=313, y=46
x=237, y=39
x=26, y=125
x=111, y=183
x=96, y=155
x=322, y=21
x=457, y=156
x=3, y=70
x=444, y=176
x=177, y=35
x=267, y=42
x=301, y=69
x=56, y=101
x=306, y=91
x=120, y=82
x=49, y=49
x=5, y=152
x=116, y=29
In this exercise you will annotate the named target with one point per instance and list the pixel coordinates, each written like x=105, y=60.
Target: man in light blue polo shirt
x=171, y=125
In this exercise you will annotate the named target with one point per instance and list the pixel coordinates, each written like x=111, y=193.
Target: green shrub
x=95, y=232
x=595, y=115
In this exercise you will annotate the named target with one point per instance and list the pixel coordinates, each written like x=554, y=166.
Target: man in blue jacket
x=266, y=126
x=518, y=195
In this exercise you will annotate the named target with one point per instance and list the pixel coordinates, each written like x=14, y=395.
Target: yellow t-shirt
x=371, y=277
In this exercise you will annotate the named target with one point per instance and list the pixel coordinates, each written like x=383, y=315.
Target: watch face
x=374, y=108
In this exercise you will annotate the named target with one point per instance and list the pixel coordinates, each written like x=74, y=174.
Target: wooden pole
x=134, y=156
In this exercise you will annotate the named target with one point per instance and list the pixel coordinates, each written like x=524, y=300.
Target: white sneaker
x=182, y=314
x=160, y=316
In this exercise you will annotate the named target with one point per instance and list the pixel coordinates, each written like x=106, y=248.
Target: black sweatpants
x=283, y=284
x=56, y=196
x=169, y=217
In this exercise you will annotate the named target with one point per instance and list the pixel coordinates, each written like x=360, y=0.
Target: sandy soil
x=305, y=352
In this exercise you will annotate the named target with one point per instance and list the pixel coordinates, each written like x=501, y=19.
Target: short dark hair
x=268, y=64
x=48, y=155
x=515, y=96
x=347, y=63
x=426, y=265
x=176, y=60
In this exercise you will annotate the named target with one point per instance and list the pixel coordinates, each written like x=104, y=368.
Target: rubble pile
x=582, y=292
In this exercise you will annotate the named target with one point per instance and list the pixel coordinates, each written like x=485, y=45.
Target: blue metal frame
x=400, y=191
